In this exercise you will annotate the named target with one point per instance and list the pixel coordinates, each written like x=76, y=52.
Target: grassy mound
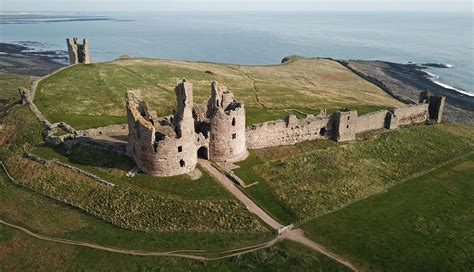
x=316, y=182
x=93, y=95
x=424, y=224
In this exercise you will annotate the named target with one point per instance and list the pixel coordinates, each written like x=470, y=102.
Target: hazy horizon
x=234, y=5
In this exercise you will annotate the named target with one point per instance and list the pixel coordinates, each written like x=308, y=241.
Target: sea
x=258, y=38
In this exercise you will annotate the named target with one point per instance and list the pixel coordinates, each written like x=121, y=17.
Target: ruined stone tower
x=162, y=146
x=436, y=105
x=344, y=129
x=227, y=125
x=78, y=53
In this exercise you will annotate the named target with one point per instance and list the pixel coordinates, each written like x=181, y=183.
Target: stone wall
x=372, y=121
x=345, y=125
x=412, y=114
x=103, y=131
x=287, y=132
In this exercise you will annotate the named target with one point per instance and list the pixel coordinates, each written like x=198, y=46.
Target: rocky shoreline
x=406, y=81
x=22, y=59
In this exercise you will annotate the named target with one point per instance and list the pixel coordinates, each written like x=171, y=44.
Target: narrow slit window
x=234, y=136
x=181, y=163
x=233, y=122
x=180, y=149
x=347, y=126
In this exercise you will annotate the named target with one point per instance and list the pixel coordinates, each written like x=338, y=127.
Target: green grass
x=85, y=121
x=424, y=224
x=261, y=193
x=48, y=217
x=20, y=131
x=316, y=182
x=113, y=167
x=95, y=93
x=48, y=256
x=9, y=84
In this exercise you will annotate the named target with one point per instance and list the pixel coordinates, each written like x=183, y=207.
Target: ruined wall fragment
x=78, y=53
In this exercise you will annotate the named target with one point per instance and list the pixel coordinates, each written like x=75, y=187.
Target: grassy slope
x=9, y=84
x=93, y=95
x=113, y=167
x=424, y=224
x=312, y=178
x=127, y=205
x=45, y=216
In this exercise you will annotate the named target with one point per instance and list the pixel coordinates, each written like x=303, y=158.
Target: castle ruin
x=171, y=145
x=78, y=53
x=215, y=130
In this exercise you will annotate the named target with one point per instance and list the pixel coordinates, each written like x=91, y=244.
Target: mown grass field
x=424, y=224
x=93, y=95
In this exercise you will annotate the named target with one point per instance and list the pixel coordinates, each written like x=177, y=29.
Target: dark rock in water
x=437, y=65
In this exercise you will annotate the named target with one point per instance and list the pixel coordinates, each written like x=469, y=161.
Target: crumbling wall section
x=287, y=132
x=371, y=121
x=412, y=114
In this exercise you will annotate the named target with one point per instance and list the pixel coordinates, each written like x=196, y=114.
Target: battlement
x=78, y=53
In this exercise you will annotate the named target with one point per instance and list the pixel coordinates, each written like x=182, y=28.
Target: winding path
x=176, y=253
x=296, y=235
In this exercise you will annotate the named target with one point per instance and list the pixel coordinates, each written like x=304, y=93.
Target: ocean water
x=263, y=37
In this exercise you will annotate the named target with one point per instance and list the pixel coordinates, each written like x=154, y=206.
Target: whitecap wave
x=452, y=88
x=434, y=78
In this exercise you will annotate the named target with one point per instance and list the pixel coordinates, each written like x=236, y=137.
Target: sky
x=237, y=5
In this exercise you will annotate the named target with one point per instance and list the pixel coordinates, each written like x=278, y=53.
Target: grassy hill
x=424, y=224
x=93, y=95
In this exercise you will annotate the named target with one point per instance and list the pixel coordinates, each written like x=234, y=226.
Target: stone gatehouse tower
x=171, y=145
x=78, y=53
x=227, y=126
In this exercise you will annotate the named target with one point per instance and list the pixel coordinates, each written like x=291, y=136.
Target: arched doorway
x=203, y=153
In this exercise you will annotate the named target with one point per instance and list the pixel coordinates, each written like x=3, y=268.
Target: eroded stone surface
x=78, y=53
